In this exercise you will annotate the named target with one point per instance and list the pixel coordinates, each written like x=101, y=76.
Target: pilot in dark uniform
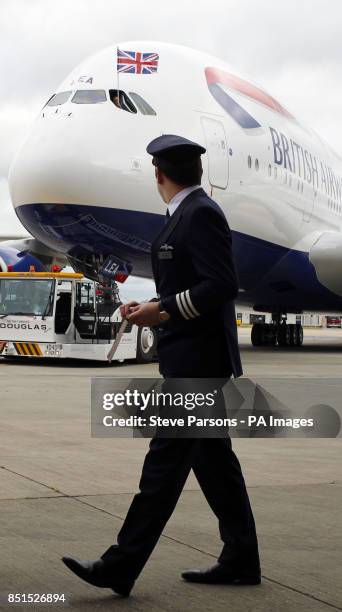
x=196, y=283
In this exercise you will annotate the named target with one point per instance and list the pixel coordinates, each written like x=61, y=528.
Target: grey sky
x=293, y=49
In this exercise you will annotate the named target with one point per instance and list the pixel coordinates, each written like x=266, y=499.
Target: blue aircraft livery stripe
x=269, y=274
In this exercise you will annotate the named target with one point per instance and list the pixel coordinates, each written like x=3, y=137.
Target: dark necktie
x=167, y=216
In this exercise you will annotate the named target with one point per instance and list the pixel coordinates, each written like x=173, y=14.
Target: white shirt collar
x=179, y=197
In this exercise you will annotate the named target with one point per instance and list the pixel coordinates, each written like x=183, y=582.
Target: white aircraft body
x=83, y=185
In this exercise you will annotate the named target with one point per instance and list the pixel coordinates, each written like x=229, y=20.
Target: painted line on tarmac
x=281, y=584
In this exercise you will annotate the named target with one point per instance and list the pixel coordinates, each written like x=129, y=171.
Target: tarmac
x=63, y=492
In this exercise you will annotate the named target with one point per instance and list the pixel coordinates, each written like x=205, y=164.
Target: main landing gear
x=279, y=332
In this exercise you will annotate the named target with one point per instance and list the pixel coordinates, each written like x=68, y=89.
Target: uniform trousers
x=165, y=471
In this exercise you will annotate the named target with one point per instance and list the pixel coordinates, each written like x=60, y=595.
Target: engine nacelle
x=326, y=257
x=20, y=261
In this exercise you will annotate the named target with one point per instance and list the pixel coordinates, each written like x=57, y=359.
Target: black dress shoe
x=222, y=574
x=94, y=573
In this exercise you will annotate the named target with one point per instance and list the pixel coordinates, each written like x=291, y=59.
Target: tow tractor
x=65, y=315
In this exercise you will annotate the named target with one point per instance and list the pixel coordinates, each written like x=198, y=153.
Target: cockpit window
x=59, y=98
x=121, y=100
x=142, y=105
x=89, y=96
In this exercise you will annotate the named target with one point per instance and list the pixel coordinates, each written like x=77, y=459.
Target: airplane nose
x=53, y=166
x=69, y=160
x=82, y=191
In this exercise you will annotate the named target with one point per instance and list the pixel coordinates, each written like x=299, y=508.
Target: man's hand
x=144, y=314
x=125, y=308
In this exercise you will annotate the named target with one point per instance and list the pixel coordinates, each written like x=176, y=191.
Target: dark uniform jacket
x=196, y=281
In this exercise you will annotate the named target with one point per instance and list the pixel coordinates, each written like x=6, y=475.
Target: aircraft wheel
x=270, y=334
x=284, y=335
x=146, y=344
x=299, y=335
x=292, y=334
x=257, y=334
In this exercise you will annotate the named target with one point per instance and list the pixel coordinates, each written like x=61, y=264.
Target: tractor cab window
x=85, y=297
x=26, y=297
x=63, y=307
x=121, y=100
x=85, y=315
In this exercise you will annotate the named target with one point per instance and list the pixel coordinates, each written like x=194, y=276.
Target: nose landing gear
x=279, y=332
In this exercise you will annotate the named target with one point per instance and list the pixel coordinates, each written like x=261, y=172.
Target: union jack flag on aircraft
x=133, y=62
